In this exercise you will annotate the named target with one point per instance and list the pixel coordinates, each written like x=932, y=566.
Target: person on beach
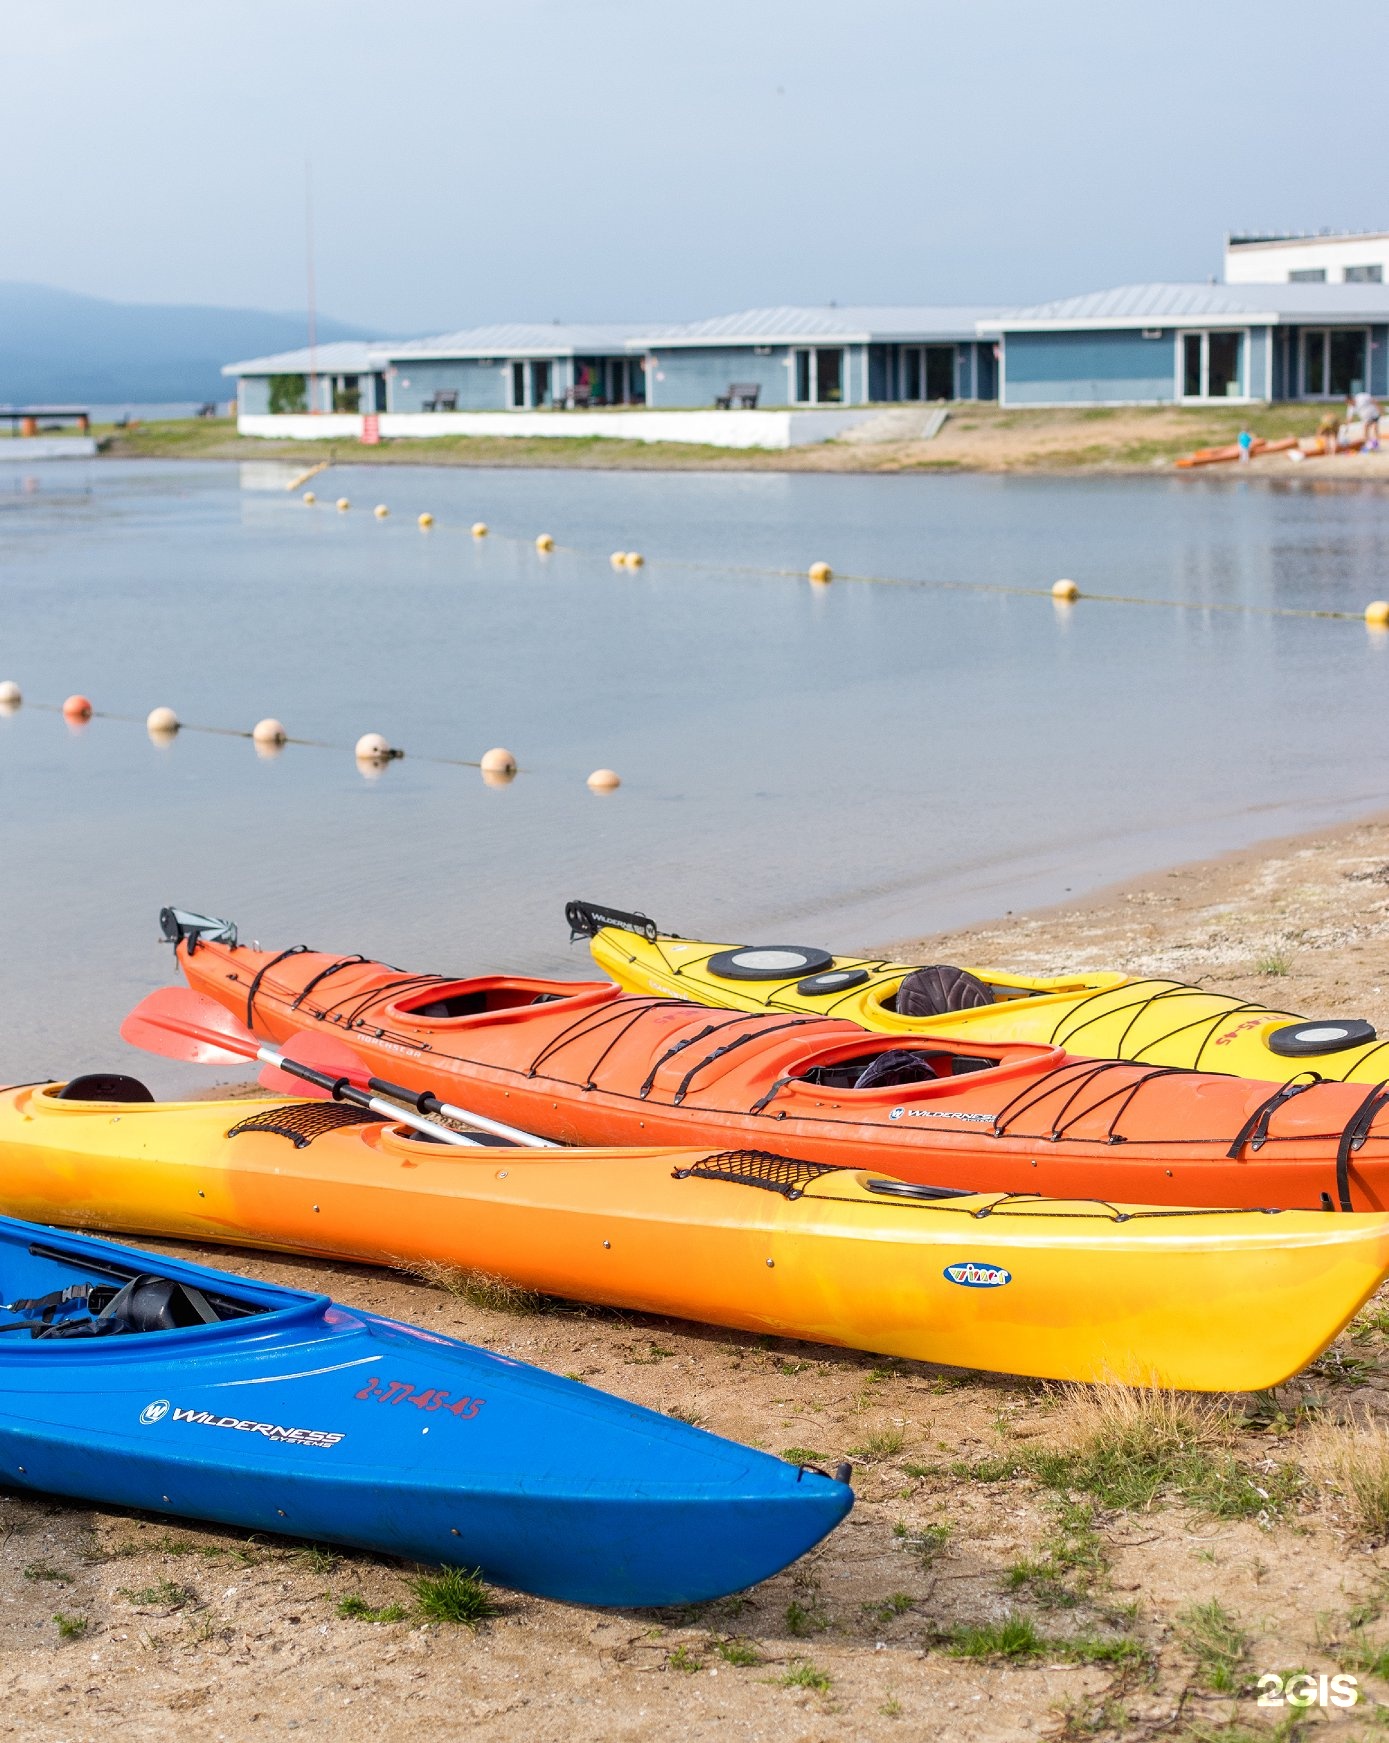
x=1366, y=408
x=1246, y=445
x=1328, y=429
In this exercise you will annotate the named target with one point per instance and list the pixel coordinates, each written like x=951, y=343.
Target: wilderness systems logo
x=160, y=1408
x=969, y=1275
x=939, y=1114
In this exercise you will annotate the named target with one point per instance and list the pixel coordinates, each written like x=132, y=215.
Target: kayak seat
x=893, y=1066
x=104, y=1086
x=145, y=1303
x=475, y=1003
x=931, y=992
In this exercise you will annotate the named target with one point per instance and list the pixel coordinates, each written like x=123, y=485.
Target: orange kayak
x=1202, y=1299
x=584, y=1063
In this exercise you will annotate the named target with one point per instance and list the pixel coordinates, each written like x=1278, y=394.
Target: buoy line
x=1065, y=592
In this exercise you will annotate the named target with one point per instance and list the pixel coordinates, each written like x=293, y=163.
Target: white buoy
x=634, y=559
x=479, y=529
x=310, y=498
x=162, y=722
x=269, y=731
x=1377, y=613
x=380, y=511
x=1066, y=591
x=343, y=505
x=10, y=694
x=425, y=520
x=498, y=761
x=604, y=780
x=544, y=542
x=372, y=748
x=618, y=559
x=821, y=572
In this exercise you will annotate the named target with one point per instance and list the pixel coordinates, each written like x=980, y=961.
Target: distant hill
x=59, y=346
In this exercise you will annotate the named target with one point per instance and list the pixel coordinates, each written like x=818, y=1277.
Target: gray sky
x=633, y=158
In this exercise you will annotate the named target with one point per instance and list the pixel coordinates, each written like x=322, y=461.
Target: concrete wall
x=759, y=429
x=1088, y=368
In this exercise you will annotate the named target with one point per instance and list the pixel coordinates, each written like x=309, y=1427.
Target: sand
x=178, y=1629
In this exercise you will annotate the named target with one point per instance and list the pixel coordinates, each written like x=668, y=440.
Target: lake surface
x=842, y=765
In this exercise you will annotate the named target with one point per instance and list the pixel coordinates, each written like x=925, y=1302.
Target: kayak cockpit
x=493, y=997
x=54, y=1289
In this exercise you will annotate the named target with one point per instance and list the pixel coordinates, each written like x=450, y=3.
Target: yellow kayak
x=1209, y=1300
x=1100, y=1016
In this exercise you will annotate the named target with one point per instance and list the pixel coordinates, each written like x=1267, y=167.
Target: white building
x=1345, y=258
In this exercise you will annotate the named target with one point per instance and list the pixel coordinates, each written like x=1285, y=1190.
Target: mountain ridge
x=64, y=346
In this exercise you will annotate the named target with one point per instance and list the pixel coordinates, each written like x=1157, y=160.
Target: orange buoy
x=77, y=708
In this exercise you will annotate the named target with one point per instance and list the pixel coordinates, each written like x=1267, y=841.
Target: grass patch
x=163, y=1595
x=883, y=1443
x=655, y=1354
x=1353, y=1457
x=41, y=1570
x=926, y=1544
x=802, y=1455
x=1218, y=1644
x=1018, y=1638
x=1061, y=1575
x=681, y=1414
x=452, y=1595
x=354, y=1608
x=70, y=1627
x=805, y=1675
x=684, y=1660
x=889, y=1608
x=737, y=1651
x=803, y=1619
x=478, y=1288
x=1273, y=965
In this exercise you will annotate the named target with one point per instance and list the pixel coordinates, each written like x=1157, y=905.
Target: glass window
x=1314, y=363
x=940, y=372
x=1308, y=275
x=1191, y=365
x=1365, y=274
x=803, y=377
x=1223, y=366
x=829, y=377
x=1347, y=362
x=911, y=372
x=540, y=384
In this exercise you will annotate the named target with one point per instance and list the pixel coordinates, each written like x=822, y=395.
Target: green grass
x=354, y=1608
x=926, y=1544
x=805, y=1675
x=451, y=1595
x=1069, y=1560
x=803, y=1619
x=1273, y=965
x=802, y=1455
x=655, y=1355
x=41, y=1570
x=1018, y=1638
x=889, y=1608
x=70, y=1627
x=683, y=1659
x=163, y=1595
x=737, y=1651
x=1218, y=1644
x=883, y=1443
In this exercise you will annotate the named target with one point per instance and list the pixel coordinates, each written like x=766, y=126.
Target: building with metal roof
x=519, y=366
x=790, y=356
x=347, y=375
x=1308, y=257
x=1149, y=344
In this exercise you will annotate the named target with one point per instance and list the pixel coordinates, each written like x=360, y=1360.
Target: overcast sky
x=582, y=159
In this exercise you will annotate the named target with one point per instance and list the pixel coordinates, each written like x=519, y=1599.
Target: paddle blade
x=179, y=1023
x=323, y=1052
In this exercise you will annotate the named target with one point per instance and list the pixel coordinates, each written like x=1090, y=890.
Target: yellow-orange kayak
x=1079, y=1290
x=1099, y=1016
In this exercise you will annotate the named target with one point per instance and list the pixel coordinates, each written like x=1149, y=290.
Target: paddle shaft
x=342, y=1090
x=428, y=1103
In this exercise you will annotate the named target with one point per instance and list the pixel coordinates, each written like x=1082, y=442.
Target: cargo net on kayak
x=783, y=1174
x=302, y=1122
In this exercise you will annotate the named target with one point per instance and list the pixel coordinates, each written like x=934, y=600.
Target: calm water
x=843, y=765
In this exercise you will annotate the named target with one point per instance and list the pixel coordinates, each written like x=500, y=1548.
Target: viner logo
x=155, y=1412
x=970, y=1275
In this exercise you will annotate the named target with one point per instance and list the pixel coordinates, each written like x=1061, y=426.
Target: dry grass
x=1352, y=1458
x=478, y=1288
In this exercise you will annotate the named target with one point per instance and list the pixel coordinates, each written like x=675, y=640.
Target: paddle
x=179, y=1023
x=330, y=1053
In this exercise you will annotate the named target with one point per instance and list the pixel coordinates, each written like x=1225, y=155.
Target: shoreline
x=1124, y=442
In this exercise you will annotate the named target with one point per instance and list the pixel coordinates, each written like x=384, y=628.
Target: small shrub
x=803, y=1619
x=803, y=1455
x=478, y=1288
x=883, y=1443
x=1017, y=1637
x=735, y=1651
x=684, y=1660
x=356, y=1609
x=452, y=1595
x=70, y=1627
x=163, y=1595
x=1273, y=965
x=804, y=1675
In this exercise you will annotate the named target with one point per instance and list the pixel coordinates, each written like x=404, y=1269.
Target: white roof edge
x=1087, y=323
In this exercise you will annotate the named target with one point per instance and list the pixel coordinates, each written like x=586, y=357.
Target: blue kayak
x=136, y=1380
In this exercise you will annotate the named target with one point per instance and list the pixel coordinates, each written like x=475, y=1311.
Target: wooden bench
x=744, y=392
x=578, y=398
x=444, y=400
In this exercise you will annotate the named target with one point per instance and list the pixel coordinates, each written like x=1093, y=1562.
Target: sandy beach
x=1022, y=1561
